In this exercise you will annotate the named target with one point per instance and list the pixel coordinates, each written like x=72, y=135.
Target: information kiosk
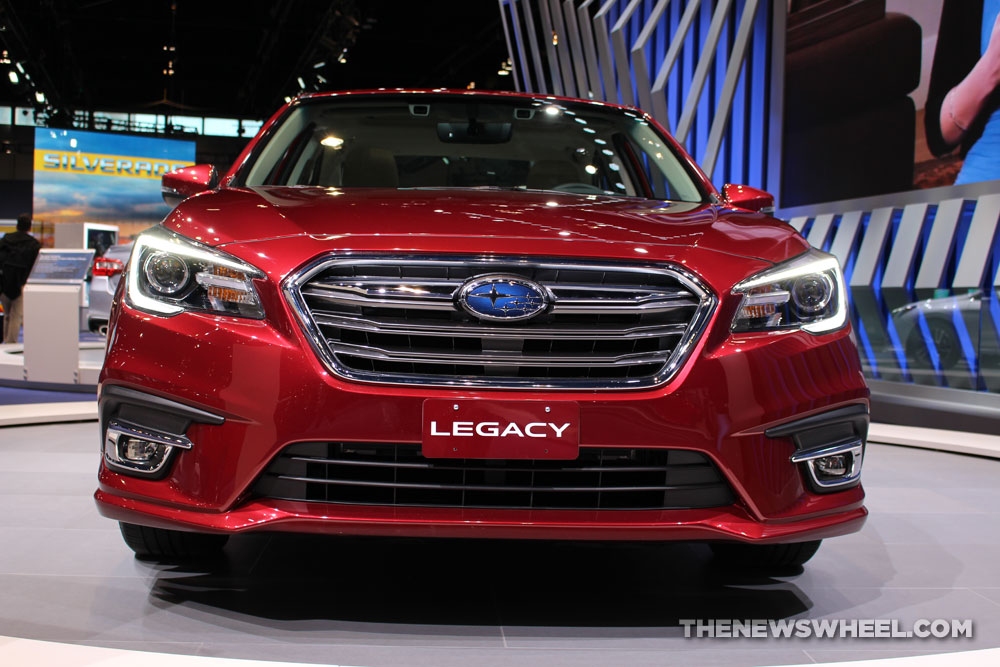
x=52, y=316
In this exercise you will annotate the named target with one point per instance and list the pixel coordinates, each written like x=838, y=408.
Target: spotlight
x=12, y=75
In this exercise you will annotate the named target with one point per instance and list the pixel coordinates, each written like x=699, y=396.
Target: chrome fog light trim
x=135, y=449
x=824, y=464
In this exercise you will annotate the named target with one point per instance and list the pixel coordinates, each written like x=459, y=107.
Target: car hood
x=242, y=215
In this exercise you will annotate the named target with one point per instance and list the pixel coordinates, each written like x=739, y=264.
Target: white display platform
x=16, y=651
x=86, y=370
x=48, y=413
x=959, y=442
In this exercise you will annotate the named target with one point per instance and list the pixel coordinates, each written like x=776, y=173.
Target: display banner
x=889, y=97
x=103, y=177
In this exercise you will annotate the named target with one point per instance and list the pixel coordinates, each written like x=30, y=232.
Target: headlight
x=169, y=274
x=806, y=292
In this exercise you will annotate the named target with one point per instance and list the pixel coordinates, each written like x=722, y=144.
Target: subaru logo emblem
x=501, y=298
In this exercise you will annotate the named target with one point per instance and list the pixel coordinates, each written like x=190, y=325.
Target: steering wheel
x=579, y=188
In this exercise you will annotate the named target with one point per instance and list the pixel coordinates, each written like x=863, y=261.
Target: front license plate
x=486, y=429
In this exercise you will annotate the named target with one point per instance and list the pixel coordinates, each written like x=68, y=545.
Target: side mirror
x=177, y=186
x=745, y=197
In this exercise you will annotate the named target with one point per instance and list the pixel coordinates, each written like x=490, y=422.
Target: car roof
x=452, y=92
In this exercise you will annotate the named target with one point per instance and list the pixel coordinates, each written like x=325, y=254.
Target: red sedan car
x=464, y=314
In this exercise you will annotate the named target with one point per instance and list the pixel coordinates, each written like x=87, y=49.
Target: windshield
x=450, y=142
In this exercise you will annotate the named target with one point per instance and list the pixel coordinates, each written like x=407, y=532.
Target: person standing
x=18, y=251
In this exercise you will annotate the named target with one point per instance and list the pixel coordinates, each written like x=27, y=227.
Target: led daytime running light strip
x=802, y=266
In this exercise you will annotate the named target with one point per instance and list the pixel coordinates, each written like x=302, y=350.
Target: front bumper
x=266, y=390
x=726, y=523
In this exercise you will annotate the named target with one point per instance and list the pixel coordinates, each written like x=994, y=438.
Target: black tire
x=764, y=556
x=174, y=545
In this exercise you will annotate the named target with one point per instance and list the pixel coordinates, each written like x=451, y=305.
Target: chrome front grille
x=601, y=478
x=396, y=320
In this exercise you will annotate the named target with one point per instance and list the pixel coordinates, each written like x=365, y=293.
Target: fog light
x=832, y=466
x=141, y=451
x=133, y=449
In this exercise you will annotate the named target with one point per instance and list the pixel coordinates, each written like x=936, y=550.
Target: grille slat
x=475, y=330
x=398, y=475
x=430, y=302
x=418, y=355
x=444, y=464
x=404, y=298
x=484, y=487
x=396, y=320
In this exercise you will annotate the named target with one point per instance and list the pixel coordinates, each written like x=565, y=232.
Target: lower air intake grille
x=397, y=475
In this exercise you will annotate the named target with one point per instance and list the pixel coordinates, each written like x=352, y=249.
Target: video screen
x=884, y=97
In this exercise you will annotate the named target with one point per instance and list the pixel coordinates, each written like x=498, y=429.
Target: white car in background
x=942, y=317
x=107, y=272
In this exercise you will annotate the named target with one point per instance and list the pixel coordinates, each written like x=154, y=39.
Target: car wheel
x=764, y=556
x=164, y=544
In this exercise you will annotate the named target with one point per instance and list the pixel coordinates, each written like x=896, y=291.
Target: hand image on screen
x=964, y=103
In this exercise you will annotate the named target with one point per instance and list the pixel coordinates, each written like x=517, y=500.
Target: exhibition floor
x=930, y=550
